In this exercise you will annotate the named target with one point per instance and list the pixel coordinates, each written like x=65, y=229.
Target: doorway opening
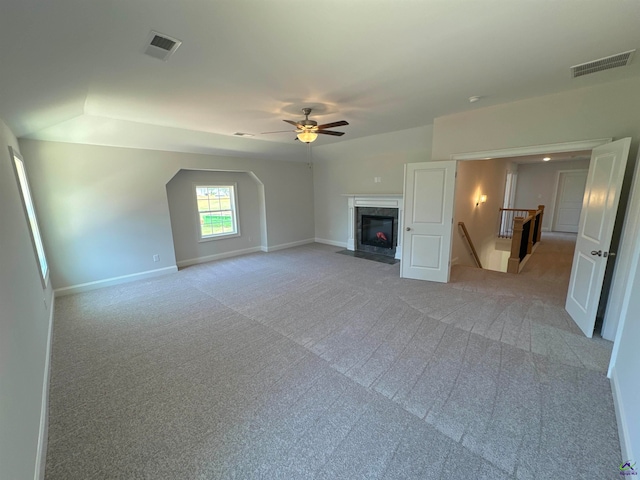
x=556, y=218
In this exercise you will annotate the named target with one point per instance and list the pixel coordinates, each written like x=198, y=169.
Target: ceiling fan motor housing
x=306, y=122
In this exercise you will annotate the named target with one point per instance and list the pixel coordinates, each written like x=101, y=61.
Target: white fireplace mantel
x=380, y=200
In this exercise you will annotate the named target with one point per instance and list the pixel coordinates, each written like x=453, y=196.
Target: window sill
x=218, y=237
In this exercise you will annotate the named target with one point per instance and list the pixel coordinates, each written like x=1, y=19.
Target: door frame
x=531, y=150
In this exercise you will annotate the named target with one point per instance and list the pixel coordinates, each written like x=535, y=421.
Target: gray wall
x=184, y=217
x=25, y=309
x=537, y=184
x=105, y=211
x=606, y=110
x=351, y=166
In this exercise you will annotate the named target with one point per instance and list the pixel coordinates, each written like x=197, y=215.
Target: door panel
x=599, y=208
x=426, y=251
x=581, y=288
x=428, y=187
x=428, y=218
x=570, y=194
x=594, y=222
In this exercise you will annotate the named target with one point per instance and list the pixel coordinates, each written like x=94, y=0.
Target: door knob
x=408, y=229
x=596, y=252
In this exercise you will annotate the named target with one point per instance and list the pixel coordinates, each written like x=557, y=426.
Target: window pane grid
x=216, y=210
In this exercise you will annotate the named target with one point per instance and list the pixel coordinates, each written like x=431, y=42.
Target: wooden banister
x=513, y=264
x=470, y=243
x=541, y=210
x=531, y=224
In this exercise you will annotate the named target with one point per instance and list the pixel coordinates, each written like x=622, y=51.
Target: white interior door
x=569, y=201
x=599, y=207
x=428, y=220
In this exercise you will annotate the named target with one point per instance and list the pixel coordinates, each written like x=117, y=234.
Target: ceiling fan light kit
x=307, y=136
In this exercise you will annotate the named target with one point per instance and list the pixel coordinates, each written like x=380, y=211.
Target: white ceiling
x=74, y=71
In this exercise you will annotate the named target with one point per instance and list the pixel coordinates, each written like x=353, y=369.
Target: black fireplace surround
x=377, y=230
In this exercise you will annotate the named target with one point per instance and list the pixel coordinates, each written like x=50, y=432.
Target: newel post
x=541, y=210
x=513, y=265
x=532, y=220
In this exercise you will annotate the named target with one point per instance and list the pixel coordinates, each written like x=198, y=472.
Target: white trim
x=217, y=256
x=85, y=287
x=284, y=246
x=331, y=242
x=219, y=236
x=532, y=150
x=623, y=431
x=28, y=205
x=43, y=432
x=233, y=206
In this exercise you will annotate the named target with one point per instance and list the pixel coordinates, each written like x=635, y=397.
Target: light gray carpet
x=307, y=364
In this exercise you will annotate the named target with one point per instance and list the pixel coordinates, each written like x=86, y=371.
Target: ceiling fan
x=308, y=130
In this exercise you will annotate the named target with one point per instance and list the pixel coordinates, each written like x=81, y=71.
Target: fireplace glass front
x=377, y=231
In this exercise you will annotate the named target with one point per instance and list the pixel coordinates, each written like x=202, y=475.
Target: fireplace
x=377, y=231
x=375, y=224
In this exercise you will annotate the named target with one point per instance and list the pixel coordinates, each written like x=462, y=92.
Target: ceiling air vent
x=161, y=46
x=242, y=134
x=614, y=61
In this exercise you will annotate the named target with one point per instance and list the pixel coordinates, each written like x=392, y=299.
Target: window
x=217, y=211
x=30, y=213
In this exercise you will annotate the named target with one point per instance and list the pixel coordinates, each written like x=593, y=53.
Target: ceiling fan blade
x=330, y=132
x=341, y=123
x=277, y=131
x=295, y=124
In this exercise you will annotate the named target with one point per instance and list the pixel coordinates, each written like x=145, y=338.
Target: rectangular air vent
x=606, y=63
x=161, y=46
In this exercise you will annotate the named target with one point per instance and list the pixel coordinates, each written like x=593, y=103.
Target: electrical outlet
x=156, y=258
x=249, y=238
x=377, y=179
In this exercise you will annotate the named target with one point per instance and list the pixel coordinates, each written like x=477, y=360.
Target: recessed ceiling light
x=241, y=134
x=546, y=159
x=473, y=99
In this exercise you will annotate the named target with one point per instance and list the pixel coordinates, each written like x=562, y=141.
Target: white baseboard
x=85, y=287
x=217, y=256
x=283, y=246
x=331, y=242
x=621, y=418
x=43, y=432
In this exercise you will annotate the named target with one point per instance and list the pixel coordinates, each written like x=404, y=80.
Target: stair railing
x=525, y=233
x=467, y=237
